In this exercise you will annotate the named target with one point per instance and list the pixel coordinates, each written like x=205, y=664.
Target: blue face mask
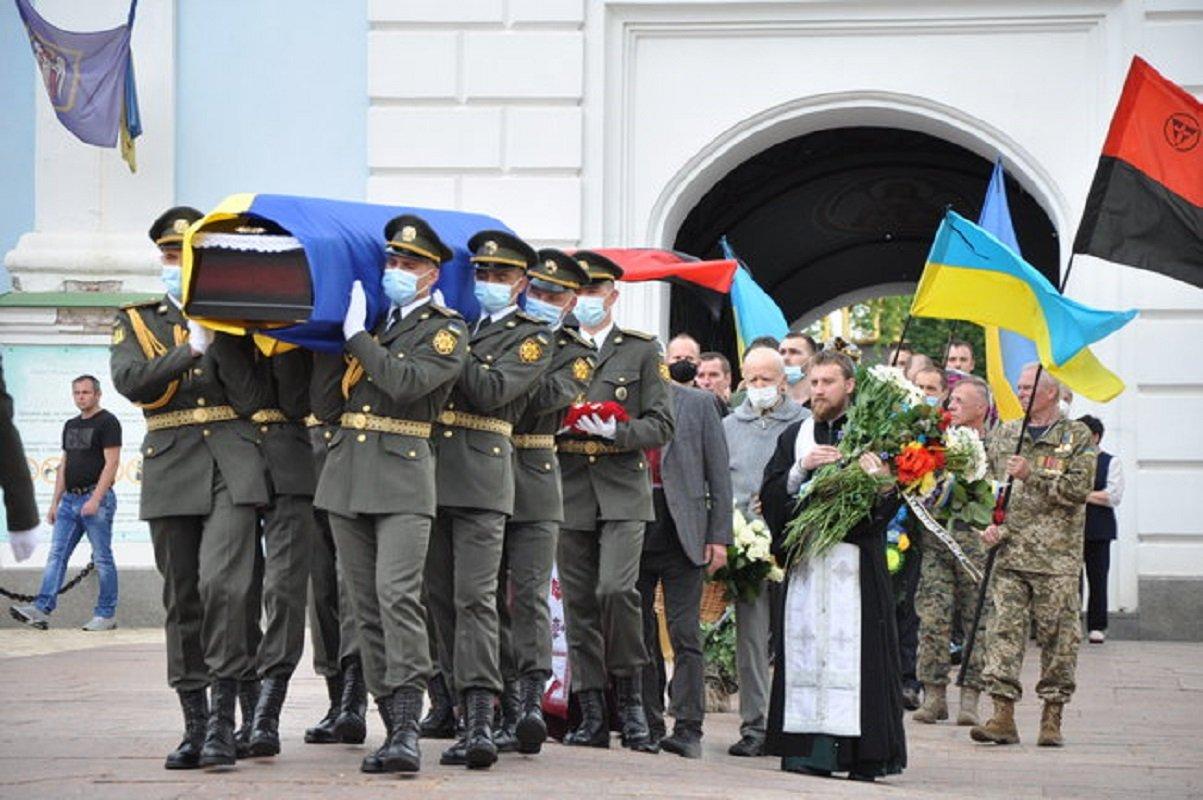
x=544, y=312
x=399, y=286
x=172, y=277
x=590, y=310
x=793, y=374
x=492, y=296
x=931, y=401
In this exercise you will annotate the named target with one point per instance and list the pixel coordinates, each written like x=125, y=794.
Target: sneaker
x=31, y=615
x=101, y=624
x=1097, y=637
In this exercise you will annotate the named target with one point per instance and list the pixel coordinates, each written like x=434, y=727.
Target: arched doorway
x=841, y=214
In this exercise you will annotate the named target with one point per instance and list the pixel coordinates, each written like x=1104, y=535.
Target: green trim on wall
x=73, y=299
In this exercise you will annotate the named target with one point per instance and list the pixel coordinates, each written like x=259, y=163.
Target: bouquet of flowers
x=606, y=411
x=749, y=562
x=889, y=417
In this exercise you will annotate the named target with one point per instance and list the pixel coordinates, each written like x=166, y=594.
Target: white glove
x=23, y=543
x=199, y=337
x=596, y=426
x=357, y=311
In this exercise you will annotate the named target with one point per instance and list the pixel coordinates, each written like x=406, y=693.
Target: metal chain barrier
x=68, y=586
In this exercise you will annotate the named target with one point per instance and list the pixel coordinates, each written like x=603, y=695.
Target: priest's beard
x=825, y=410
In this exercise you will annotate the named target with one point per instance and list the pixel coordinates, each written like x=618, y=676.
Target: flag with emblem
x=1145, y=207
x=89, y=79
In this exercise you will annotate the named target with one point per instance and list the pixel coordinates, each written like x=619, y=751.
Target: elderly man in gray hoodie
x=752, y=431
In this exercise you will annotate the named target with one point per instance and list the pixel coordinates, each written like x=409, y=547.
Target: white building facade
x=606, y=123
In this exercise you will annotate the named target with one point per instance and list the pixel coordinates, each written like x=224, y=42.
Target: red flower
x=915, y=461
x=945, y=420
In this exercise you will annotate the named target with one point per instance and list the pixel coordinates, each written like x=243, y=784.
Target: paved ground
x=87, y=715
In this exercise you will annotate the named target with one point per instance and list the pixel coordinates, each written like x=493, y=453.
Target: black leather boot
x=351, y=727
x=635, y=732
x=323, y=732
x=401, y=753
x=265, y=730
x=218, y=750
x=479, y=750
x=439, y=722
x=505, y=722
x=531, y=730
x=195, y=705
x=686, y=740
x=373, y=762
x=455, y=755
x=248, y=696
x=594, y=728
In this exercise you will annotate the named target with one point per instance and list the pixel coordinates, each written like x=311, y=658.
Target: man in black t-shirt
x=84, y=503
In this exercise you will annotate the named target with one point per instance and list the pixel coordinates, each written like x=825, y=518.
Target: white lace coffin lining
x=255, y=243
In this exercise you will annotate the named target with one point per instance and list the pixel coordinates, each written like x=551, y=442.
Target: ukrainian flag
x=970, y=275
x=756, y=313
x=344, y=242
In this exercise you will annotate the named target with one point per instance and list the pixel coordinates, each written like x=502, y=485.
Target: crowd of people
x=419, y=488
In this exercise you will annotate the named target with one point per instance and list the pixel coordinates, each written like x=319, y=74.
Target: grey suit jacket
x=695, y=474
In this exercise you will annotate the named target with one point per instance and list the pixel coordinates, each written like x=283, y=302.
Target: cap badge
x=179, y=226
x=490, y=247
x=409, y=233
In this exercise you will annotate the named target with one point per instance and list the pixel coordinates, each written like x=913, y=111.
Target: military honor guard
x=607, y=501
x=378, y=483
x=203, y=477
x=530, y=533
x=508, y=352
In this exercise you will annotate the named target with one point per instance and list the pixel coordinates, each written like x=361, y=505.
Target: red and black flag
x=709, y=281
x=1145, y=207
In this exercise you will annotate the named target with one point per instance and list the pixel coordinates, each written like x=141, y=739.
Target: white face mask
x=763, y=397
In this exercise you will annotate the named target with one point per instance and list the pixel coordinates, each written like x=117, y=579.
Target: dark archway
x=842, y=210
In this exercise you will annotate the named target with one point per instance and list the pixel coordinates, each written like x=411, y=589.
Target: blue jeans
x=69, y=526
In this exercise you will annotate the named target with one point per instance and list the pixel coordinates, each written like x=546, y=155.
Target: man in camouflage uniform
x=1037, y=569
x=508, y=352
x=203, y=478
x=378, y=484
x=946, y=588
x=530, y=534
x=607, y=503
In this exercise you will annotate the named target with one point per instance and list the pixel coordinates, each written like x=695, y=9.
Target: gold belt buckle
x=447, y=418
x=592, y=448
x=359, y=421
x=200, y=415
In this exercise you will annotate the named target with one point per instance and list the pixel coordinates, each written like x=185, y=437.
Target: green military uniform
x=1037, y=569
x=607, y=501
x=378, y=484
x=530, y=534
x=202, y=478
x=508, y=354
x=944, y=589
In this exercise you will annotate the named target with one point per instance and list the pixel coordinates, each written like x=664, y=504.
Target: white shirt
x=403, y=311
x=599, y=338
x=497, y=315
x=1115, y=483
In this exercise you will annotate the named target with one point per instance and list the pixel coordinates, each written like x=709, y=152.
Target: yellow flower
x=904, y=542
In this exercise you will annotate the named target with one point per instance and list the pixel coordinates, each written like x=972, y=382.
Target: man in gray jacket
x=691, y=493
x=752, y=431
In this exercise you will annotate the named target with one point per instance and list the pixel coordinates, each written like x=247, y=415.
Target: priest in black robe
x=880, y=747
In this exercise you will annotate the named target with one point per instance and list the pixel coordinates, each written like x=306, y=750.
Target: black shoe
x=748, y=747
x=351, y=727
x=218, y=750
x=373, y=762
x=505, y=722
x=635, y=733
x=401, y=753
x=531, y=729
x=195, y=705
x=265, y=731
x=439, y=722
x=861, y=776
x=248, y=696
x=594, y=728
x=686, y=740
x=479, y=750
x=323, y=732
x=910, y=697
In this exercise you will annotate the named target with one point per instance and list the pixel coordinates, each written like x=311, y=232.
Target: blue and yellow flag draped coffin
x=283, y=266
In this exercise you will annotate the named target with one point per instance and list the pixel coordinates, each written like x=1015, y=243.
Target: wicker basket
x=714, y=601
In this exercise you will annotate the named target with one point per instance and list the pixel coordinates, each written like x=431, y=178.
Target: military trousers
x=1053, y=605
x=381, y=557
x=462, y=566
x=522, y=589
x=944, y=590
x=207, y=563
x=287, y=537
x=599, y=570
x=331, y=624
x=752, y=621
x=254, y=608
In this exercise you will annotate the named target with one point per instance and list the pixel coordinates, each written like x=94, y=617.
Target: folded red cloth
x=606, y=410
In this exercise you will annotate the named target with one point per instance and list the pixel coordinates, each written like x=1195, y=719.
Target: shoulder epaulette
x=520, y=314
x=446, y=312
x=574, y=336
x=647, y=337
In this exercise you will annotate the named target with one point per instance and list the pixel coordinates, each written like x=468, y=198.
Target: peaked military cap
x=597, y=267
x=556, y=271
x=168, y=230
x=499, y=249
x=411, y=235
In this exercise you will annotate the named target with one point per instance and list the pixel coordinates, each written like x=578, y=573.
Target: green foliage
x=718, y=648
x=925, y=335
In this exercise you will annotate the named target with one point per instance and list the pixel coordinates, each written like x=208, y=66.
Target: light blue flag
x=756, y=313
